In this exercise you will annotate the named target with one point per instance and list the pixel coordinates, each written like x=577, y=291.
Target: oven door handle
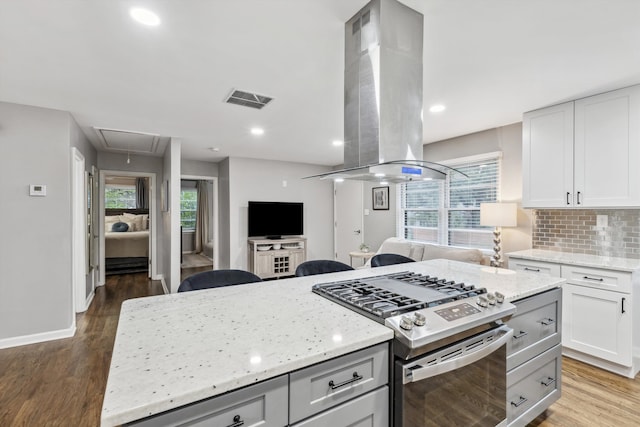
x=418, y=374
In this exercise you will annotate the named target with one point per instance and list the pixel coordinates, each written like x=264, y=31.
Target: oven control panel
x=457, y=311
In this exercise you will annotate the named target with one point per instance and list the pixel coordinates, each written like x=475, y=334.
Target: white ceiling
x=487, y=60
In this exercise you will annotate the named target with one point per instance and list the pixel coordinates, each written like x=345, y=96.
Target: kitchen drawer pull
x=520, y=335
x=237, y=422
x=597, y=279
x=578, y=197
x=520, y=402
x=355, y=378
x=568, y=194
x=548, y=381
x=532, y=269
x=547, y=322
x=623, y=301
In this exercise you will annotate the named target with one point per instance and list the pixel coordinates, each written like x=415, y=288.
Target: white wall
x=198, y=168
x=378, y=225
x=171, y=219
x=35, y=248
x=262, y=180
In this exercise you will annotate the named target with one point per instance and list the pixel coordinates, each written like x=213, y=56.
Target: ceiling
x=487, y=61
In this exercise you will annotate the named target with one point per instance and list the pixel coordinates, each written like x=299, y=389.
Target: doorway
x=198, y=224
x=127, y=226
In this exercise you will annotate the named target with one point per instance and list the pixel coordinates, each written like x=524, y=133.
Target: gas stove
x=425, y=312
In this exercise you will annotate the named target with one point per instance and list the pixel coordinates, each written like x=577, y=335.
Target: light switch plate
x=37, y=190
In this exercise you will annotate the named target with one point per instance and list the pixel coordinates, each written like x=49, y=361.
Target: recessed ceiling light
x=379, y=175
x=437, y=108
x=214, y=149
x=339, y=180
x=384, y=183
x=144, y=16
x=257, y=131
x=337, y=143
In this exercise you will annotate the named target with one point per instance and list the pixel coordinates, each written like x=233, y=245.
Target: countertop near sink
x=172, y=350
x=596, y=261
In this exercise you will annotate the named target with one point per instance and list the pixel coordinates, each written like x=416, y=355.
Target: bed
x=126, y=241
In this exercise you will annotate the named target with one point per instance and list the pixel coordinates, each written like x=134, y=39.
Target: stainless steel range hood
x=383, y=96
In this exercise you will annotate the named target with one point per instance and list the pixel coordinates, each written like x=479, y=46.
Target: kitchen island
x=173, y=350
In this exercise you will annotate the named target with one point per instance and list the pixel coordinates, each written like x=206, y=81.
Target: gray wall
x=252, y=179
x=378, y=225
x=198, y=168
x=224, y=215
x=79, y=140
x=508, y=140
x=35, y=248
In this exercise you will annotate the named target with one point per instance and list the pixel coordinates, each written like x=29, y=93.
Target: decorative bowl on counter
x=264, y=247
x=290, y=246
x=276, y=246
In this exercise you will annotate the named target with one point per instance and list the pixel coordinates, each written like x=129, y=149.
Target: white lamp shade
x=499, y=214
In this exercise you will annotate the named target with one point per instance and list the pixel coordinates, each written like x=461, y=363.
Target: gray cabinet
x=325, y=385
x=350, y=390
x=263, y=404
x=534, y=356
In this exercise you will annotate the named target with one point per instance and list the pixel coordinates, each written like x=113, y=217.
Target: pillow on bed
x=135, y=220
x=120, y=227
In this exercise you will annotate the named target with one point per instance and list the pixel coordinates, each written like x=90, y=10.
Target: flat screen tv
x=275, y=219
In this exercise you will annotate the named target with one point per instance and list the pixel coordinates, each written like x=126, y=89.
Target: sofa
x=423, y=251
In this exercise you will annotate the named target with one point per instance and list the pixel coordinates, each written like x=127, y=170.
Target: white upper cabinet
x=583, y=154
x=547, y=150
x=607, y=149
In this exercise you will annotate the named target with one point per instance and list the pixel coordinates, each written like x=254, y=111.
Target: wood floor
x=61, y=383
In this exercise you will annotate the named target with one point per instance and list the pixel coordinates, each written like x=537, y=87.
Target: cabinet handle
x=597, y=279
x=237, y=422
x=548, y=381
x=355, y=378
x=548, y=321
x=537, y=270
x=520, y=402
x=623, y=299
x=520, y=335
x=578, y=197
x=568, y=194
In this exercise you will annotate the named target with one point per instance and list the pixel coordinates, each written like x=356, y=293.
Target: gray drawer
x=263, y=404
x=536, y=326
x=533, y=386
x=330, y=383
x=371, y=410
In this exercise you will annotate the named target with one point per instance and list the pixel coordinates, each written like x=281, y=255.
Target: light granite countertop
x=172, y=350
x=596, y=261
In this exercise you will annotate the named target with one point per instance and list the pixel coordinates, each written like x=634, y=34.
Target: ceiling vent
x=248, y=99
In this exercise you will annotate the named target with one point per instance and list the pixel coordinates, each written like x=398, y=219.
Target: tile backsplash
x=577, y=231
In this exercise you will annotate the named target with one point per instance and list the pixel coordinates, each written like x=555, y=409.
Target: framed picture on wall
x=380, y=198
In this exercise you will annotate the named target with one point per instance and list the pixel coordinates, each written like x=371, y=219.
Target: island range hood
x=383, y=97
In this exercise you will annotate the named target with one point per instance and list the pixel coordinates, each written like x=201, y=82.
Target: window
x=120, y=196
x=448, y=212
x=188, y=208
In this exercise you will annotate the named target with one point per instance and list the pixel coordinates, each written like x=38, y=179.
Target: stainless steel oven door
x=464, y=384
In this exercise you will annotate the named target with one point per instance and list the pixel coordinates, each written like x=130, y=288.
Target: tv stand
x=274, y=263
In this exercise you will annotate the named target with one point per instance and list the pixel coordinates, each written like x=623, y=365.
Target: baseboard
x=37, y=338
x=89, y=299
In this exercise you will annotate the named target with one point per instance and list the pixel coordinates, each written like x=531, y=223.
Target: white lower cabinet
x=598, y=312
x=598, y=322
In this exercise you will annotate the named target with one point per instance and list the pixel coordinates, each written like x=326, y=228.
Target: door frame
x=80, y=298
x=214, y=213
x=153, y=221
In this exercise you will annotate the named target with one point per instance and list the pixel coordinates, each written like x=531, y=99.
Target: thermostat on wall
x=37, y=190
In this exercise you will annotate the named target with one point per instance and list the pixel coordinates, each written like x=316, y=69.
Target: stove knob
x=499, y=298
x=491, y=298
x=406, y=323
x=419, y=319
x=482, y=301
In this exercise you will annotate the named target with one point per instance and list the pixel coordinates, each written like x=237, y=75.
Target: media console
x=276, y=258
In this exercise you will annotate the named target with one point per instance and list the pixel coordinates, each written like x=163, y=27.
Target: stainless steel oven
x=463, y=384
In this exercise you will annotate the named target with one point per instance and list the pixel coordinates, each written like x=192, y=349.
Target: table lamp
x=498, y=215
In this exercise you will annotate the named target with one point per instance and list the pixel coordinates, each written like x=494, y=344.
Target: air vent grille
x=248, y=99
